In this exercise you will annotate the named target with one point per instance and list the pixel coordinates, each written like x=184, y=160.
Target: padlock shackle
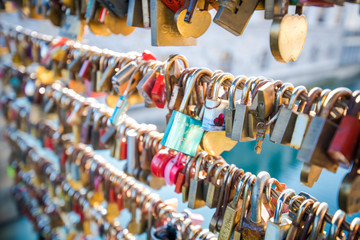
x=214, y=165
x=319, y=224
x=167, y=66
x=312, y=99
x=331, y=99
x=240, y=189
x=256, y=196
x=354, y=228
x=219, y=171
x=305, y=205
x=354, y=105
x=223, y=79
x=247, y=198
x=190, y=86
x=199, y=162
x=258, y=86
x=280, y=94
x=284, y=196
x=238, y=82
x=187, y=168
x=246, y=91
x=296, y=95
x=321, y=100
x=336, y=222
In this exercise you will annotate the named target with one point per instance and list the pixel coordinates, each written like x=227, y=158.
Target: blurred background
x=330, y=58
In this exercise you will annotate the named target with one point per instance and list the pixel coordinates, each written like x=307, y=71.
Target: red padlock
x=178, y=167
x=123, y=148
x=147, y=56
x=158, y=94
x=343, y=145
x=148, y=85
x=159, y=161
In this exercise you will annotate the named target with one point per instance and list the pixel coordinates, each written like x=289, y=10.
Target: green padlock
x=183, y=132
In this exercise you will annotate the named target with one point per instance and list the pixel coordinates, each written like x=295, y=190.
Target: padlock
x=303, y=118
x=223, y=198
x=233, y=209
x=278, y=227
x=160, y=160
x=284, y=126
x=146, y=84
x=354, y=229
x=343, y=145
x=132, y=152
x=177, y=168
x=177, y=93
x=242, y=116
x=254, y=225
x=173, y=167
x=317, y=231
x=295, y=228
x=214, y=113
x=238, y=83
x=214, y=183
x=320, y=133
x=122, y=77
x=180, y=180
x=234, y=15
x=335, y=232
x=96, y=130
x=309, y=220
x=263, y=103
x=183, y=132
x=245, y=207
x=188, y=175
x=348, y=197
x=196, y=188
x=122, y=105
x=158, y=94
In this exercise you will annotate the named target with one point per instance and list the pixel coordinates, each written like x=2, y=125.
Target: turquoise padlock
x=121, y=107
x=183, y=132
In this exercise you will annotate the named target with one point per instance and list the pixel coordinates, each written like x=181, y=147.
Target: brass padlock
x=245, y=207
x=185, y=187
x=224, y=187
x=263, y=103
x=213, y=193
x=197, y=184
x=233, y=209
